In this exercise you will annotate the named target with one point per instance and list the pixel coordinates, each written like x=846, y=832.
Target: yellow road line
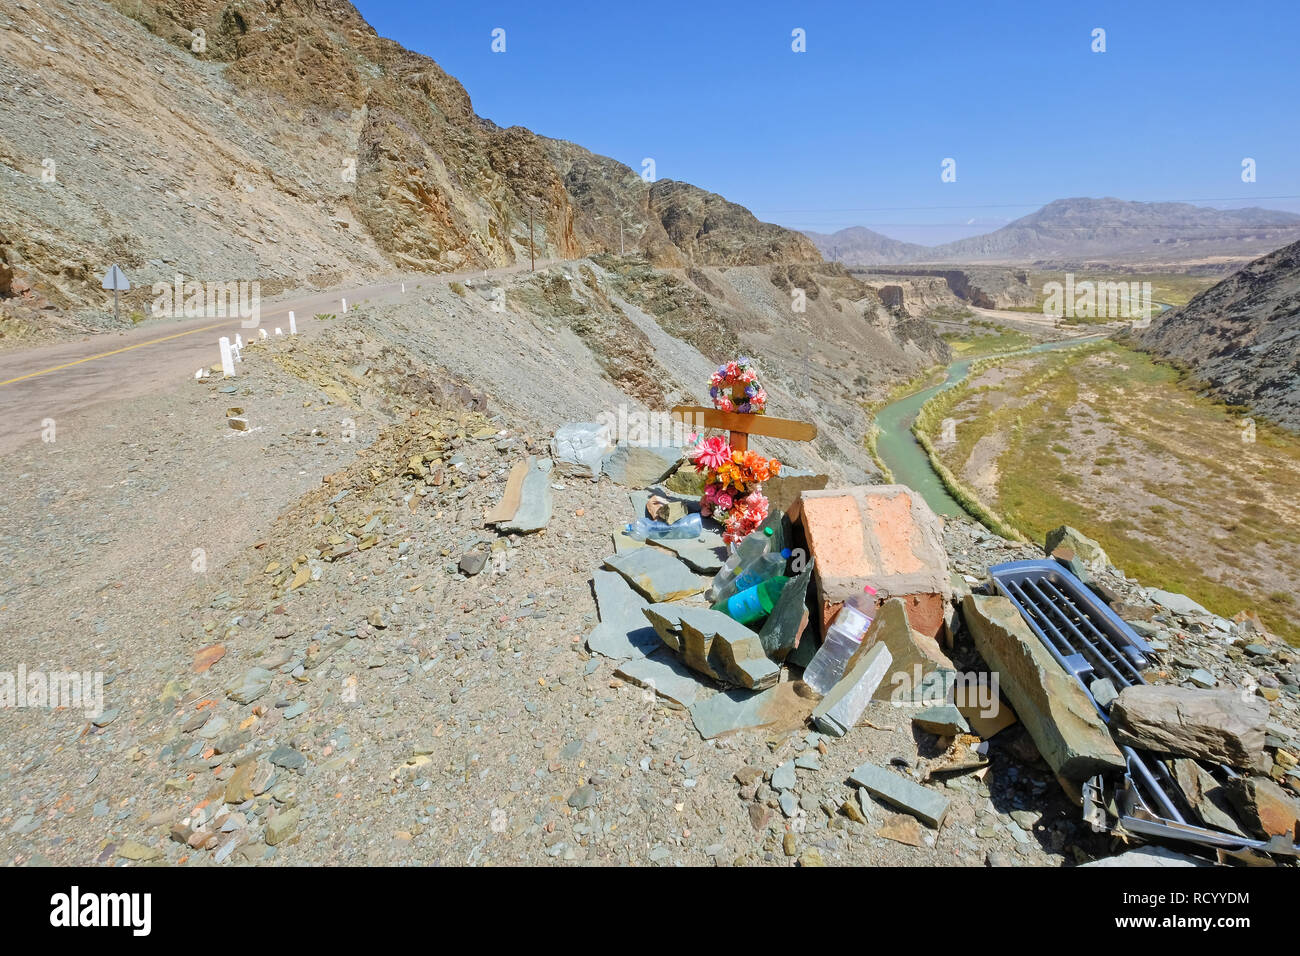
x=127, y=348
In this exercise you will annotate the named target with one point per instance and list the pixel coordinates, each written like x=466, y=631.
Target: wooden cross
x=742, y=426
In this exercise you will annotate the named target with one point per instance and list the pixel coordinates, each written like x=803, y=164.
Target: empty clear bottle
x=845, y=635
x=749, y=550
x=643, y=528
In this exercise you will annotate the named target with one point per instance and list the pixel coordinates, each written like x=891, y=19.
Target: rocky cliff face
x=284, y=139
x=1243, y=336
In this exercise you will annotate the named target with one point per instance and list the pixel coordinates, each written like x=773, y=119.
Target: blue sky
x=854, y=130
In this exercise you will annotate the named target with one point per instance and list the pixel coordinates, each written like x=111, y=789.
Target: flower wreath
x=734, y=388
x=732, y=493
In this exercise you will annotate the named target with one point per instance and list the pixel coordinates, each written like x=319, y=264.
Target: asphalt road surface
x=59, y=381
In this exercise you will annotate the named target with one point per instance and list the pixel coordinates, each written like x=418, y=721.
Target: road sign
x=116, y=280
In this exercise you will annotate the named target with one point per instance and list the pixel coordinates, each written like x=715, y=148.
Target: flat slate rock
x=781, y=631
x=534, y=511
x=1149, y=856
x=623, y=631
x=668, y=677
x=705, y=554
x=928, y=806
x=579, y=448
x=1178, y=603
x=505, y=509
x=657, y=575
x=1217, y=725
x=945, y=720
x=839, y=711
x=780, y=708
x=641, y=465
x=714, y=644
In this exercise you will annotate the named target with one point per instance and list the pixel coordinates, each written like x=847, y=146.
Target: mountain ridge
x=1083, y=228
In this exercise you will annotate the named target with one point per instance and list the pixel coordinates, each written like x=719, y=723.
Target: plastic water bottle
x=750, y=549
x=768, y=565
x=842, y=640
x=643, y=528
x=753, y=603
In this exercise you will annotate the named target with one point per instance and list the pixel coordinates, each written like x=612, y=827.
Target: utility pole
x=532, y=254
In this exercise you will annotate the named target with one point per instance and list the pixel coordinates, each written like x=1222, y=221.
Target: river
x=899, y=449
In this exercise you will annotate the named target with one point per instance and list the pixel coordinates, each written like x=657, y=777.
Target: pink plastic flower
x=725, y=500
x=713, y=452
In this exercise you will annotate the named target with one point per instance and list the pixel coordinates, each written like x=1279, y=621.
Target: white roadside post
x=237, y=348
x=293, y=324
x=345, y=305
x=227, y=360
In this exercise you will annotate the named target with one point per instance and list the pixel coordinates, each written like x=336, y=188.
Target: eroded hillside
x=288, y=142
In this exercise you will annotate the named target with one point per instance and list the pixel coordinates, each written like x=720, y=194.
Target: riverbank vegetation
x=1183, y=492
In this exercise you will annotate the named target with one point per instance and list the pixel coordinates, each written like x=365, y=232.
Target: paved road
x=59, y=381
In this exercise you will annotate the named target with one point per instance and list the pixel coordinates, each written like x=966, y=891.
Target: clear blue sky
x=858, y=125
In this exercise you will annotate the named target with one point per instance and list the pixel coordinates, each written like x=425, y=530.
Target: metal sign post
x=116, y=280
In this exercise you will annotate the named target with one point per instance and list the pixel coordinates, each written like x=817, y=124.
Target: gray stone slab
x=839, y=710
x=945, y=720
x=926, y=805
x=1051, y=704
x=656, y=574
x=623, y=631
x=1178, y=603
x=704, y=554
x=789, y=618
x=579, y=448
x=1149, y=856
x=780, y=707
x=535, y=506
x=640, y=466
x=668, y=677
x=714, y=644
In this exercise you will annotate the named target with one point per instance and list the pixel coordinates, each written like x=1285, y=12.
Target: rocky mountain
x=859, y=246
x=1243, y=335
x=284, y=140
x=1097, y=230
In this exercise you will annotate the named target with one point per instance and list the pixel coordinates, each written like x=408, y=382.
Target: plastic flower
x=725, y=500
x=713, y=452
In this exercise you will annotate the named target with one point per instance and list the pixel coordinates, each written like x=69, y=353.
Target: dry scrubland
x=1114, y=443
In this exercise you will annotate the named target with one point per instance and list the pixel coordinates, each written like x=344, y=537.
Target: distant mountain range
x=1098, y=230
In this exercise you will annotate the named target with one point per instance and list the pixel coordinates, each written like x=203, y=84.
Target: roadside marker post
x=293, y=324
x=116, y=280
x=227, y=360
x=345, y=304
